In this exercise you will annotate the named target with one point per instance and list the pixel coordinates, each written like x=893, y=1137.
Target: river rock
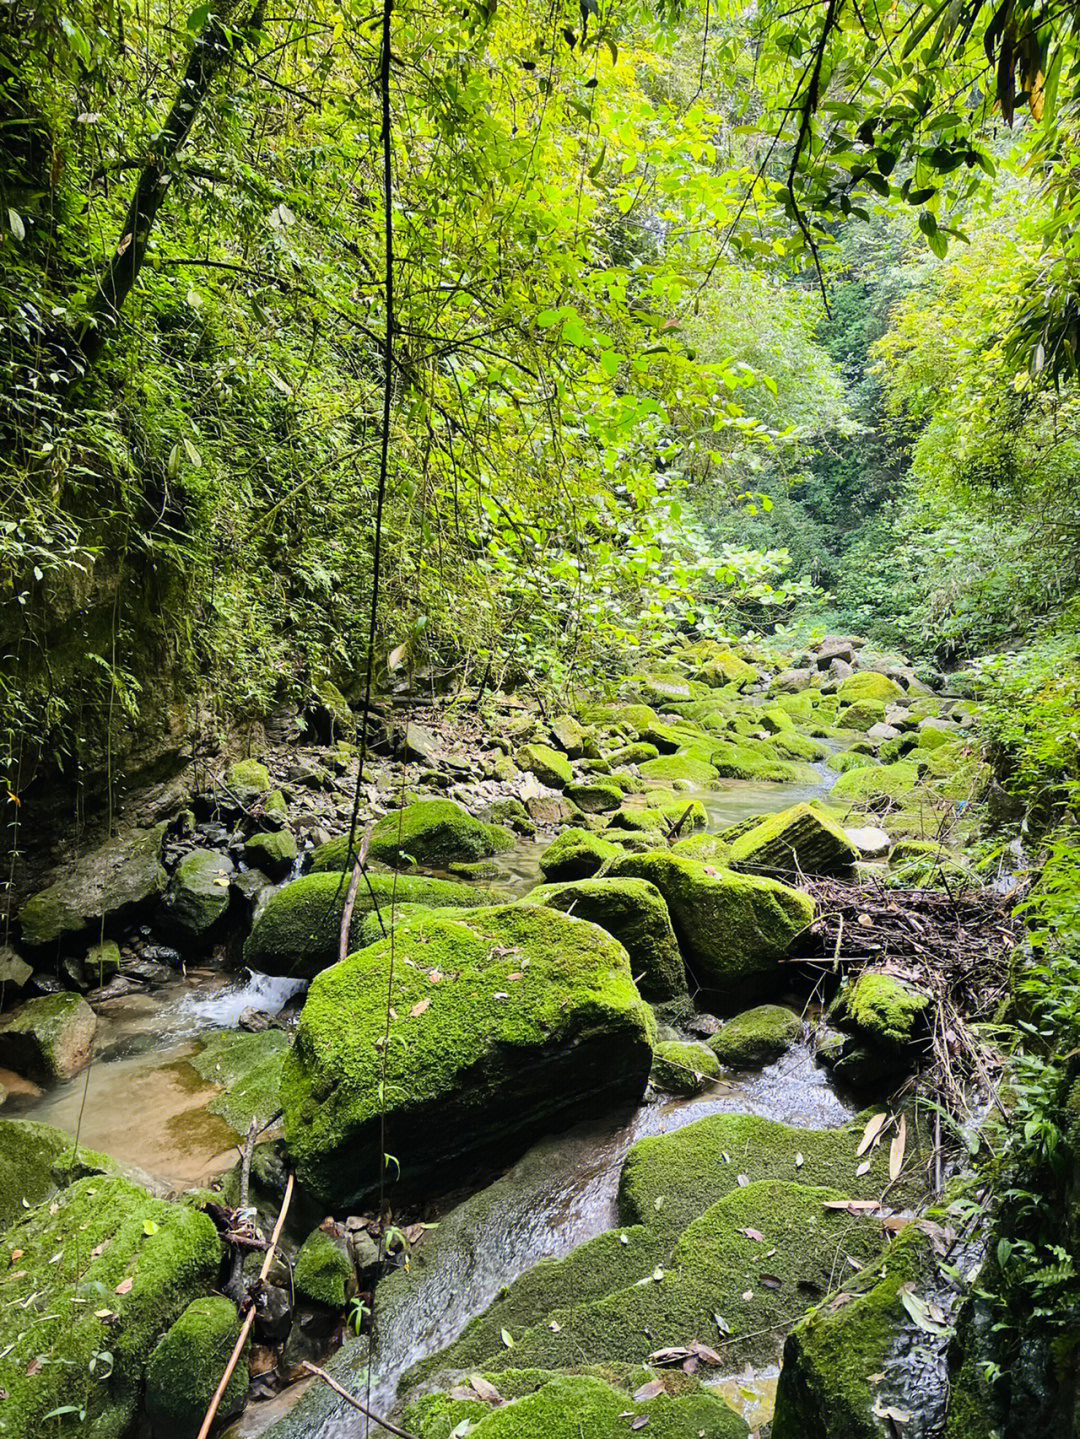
x=681, y=1067
x=247, y=780
x=186, y=1368
x=272, y=851
x=599, y=796
x=576, y=854
x=791, y=681
x=199, y=894
x=756, y=1037
x=633, y=912
x=547, y=764
x=431, y=832
x=114, y=883
x=48, y=1039
x=14, y=970
x=879, y=733
x=35, y=1161
x=509, y=1021
x=569, y=735
x=868, y=684
x=882, y=1009
x=324, y=1272
x=797, y=840
x=732, y=928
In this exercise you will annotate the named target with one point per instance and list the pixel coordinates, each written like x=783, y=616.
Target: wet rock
x=186, y=1368
x=756, y=1037
x=797, y=840
x=682, y=1068
x=547, y=810
x=273, y=1313
x=146, y=971
x=247, y=780
x=309, y=776
x=248, y=1067
x=576, y=854
x=548, y=765
x=873, y=783
x=324, y=1272
x=882, y=1009
x=598, y=797
x=432, y=832
x=199, y=894
x=569, y=735
x=118, y=987
x=870, y=685
x=250, y=884
x=114, y=883
x=633, y=912
x=881, y=732
x=14, y=970
x=791, y=681
x=534, y=1019
x=102, y=963
x=703, y=1024
x=510, y=812
x=274, y=852
x=48, y=1039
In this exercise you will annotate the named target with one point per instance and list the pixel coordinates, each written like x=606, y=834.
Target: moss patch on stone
x=431, y=832
x=248, y=1066
x=882, y=1007
x=530, y=1017
x=35, y=1161
x=186, y=1368
x=879, y=782
x=711, y=849
x=199, y=893
x=598, y=796
x=799, y=839
x=869, y=685
x=48, y=1039
x=757, y=1036
x=547, y=764
x=273, y=851
x=637, y=753
x=661, y=816
x=575, y=854
x=843, y=760
x=686, y=768
x=684, y=1068
x=324, y=1273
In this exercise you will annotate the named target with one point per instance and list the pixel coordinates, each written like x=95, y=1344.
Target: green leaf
x=18, y=229
x=598, y=164
x=547, y=318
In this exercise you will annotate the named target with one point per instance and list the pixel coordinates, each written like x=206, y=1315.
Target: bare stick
x=249, y=1317
x=352, y=1399
x=235, y=1287
x=350, y=898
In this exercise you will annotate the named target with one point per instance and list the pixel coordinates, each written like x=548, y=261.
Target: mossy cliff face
x=106, y=1268
x=298, y=932
x=507, y=1021
x=433, y=832
x=186, y=1368
x=633, y=912
x=732, y=929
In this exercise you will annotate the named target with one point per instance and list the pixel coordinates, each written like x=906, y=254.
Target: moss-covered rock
x=431, y=832
x=688, y=814
x=575, y=854
x=845, y=759
x=869, y=685
x=887, y=1010
x=272, y=851
x=791, y=743
x=324, y=1273
x=106, y=1269
x=577, y=1406
x=186, y=1368
x=684, y=1068
x=569, y=735
x=547, y=764
x=732, y=928
x=757, y=1036
x=633, y=912
x=709, y=849
x=876, y=783
x=35, y=1161
x=633, y=753
x=48, y=1039
x=116, y=882
x=509, y=1020
x=862, y=715
x=797, y=840
x=248, y=1067
x=683, y=768
x=247, y=780
x=599, y=796
x=747, y=758
x=299, y=930
x=199, y=893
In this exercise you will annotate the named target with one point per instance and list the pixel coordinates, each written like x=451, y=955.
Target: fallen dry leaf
x=16, y=1254
x=896, y=1150
x=864, y=1168
x=707, y=1355
x=485, y=1389
x=754, y=1234
x=649, y=1391
x=870, y=1133
x=640, y=1422
x=34, y=1367
x=124, y=1287
x=418, y=1009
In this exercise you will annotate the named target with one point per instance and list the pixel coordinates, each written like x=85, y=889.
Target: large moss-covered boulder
x=757, y=1036
x=875, y=784
x=274, y=851
x=634, y=912
x=104, y=1269
x=199, y=893
x=632, y=753
x=571, y=1406
x=114, y=883
x=869, y=685
x=732, y=928
x=35, y=1161
x=247, y=781
x=576, y=854
x=684, y=768
x=547, y=764
x=744, y=757
x=298, y=932
x=434, y=832
x=186, y=1368
x=883, y=1009
x=797, y=840
x=684, y=1068
x=48, y=1039
x=503, y=1023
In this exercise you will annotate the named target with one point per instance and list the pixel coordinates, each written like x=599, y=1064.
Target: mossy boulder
x=718, y=1266
x=598, y=796
x=843, y=760
x=299, y=930
x=791, y=743
x=574, y=1406
x=569, y=735
x=48, y=1039
x=114, y=883
x=732, y=928
x=324, y=1273
x=869, y=685
x=684, y=1068
x=547, y=764
x=633, y=754
x=107, y=1268
x=757, y=1036
x=576, y=854
x=248, y=1068
x=35, y=1161
x=688, y=814
x=797, y=840
x=633, y=912
x=886, y=1010
x=875, y=784
x=186, y=1368
x=199, y=893
x=431, y=832
x=247, y=780
x=748, y=758
x=508, y=1021
x=862, y=715
x=711, y=849
x=681, y=768
x=272, y=851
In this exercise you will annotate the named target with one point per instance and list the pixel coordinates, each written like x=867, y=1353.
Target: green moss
x=845, y=759
x=835, y=1360
x=802, y=706
x=249, y=1068
x=299, y=930
x=688, y=769
x=186, y=1368
x=547, y=764
x=632, y=754
x=507, y=1021
x=48, y=1039
x=475, y=869
x=684, y=1068
x=575, y=854
x=881, y=782
x=748, y=758
x=248, y=779
x=272, y=851
x=883, y=1007
x=577, y=1407
x=757, y=1036
x=669, y=1179
x=35, y=1160
x=705, y=848
x=800, y=746
x=931, y=737
x=431, y=832
x=861, y=715
x=661, y=817
x=869, y=685
x=199, y=893
x=732, y=929
x=596, y=797
x=77, y=1259
x=324, y=1273
x=633, y=912
x=796, y=840
x=632, y=717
